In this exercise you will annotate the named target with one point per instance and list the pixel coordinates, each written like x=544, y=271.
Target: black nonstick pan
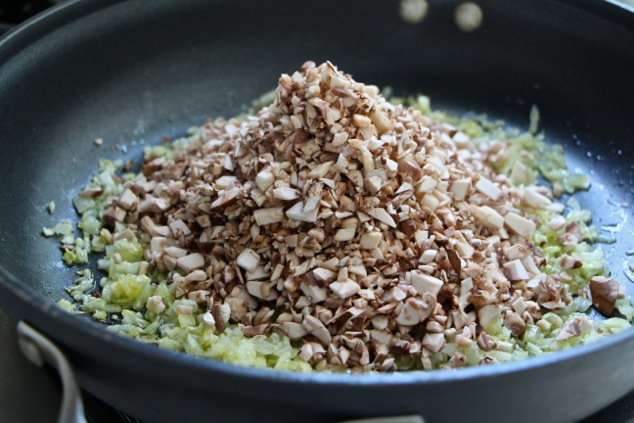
x=132, y=72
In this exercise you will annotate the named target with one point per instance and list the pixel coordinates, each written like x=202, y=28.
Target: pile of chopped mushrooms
x=371, y=236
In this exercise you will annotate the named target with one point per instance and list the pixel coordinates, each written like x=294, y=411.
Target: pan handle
x=397, y=419
x=39, y=350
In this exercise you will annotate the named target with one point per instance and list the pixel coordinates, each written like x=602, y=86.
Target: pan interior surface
x=103, y=76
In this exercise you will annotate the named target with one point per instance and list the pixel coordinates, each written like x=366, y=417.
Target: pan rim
x=41, y=25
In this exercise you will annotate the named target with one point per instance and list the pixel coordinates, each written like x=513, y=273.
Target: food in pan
x=336, y=230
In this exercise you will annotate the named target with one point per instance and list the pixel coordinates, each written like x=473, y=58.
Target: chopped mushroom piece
x=268, y=216
x=155, y=304
x=258, y=289
x=568, y=262
x=298, y=212
x=370, y=240
x=190, y=262
x=428, y=256
x=153, y=229
x=315, y=293
x=412, y=313
x=460, y=188
x=520, y=173
x=489, y=189
x=315, y=327
x=605, y=292
x=426, y=283
x=516, y=270
x=434, y=342
x=520, y=225
x=208, y=320
x=285, y=193
x=488, y=314
x=264, y=180
x=127, y=199
x=345, y=289
x=293, y=330
x=486, y=342
x=345, y=234
x=324, y=275
x=248, y=260
x=382, y=216
x=489, y=217
x=532, y=198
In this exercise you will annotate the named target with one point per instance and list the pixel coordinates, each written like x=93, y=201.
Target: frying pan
x=132, y=72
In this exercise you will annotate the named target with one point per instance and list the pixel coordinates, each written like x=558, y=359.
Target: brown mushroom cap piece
x=604, y=291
